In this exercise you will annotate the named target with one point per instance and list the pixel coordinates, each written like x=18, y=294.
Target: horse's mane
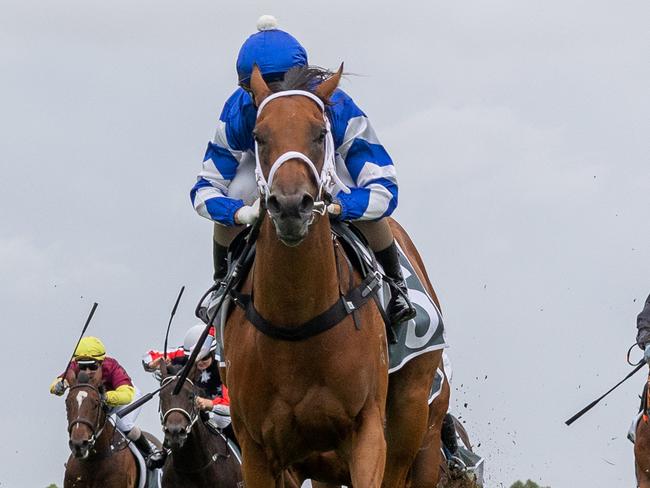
x=173, y=369
x=301, y=78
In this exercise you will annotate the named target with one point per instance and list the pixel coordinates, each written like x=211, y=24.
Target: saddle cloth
x=147, y=478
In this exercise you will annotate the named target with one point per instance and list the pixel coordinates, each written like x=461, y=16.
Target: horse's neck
x=195, y=452
x=291, y=285
x=103, y=443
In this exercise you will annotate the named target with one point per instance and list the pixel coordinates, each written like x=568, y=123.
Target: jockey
x=226, y=192
x=643, y=327
x=215, y=402
x=90, y=356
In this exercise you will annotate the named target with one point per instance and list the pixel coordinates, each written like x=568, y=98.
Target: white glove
x=334, y=209
x=60, y=387
x=248, y=214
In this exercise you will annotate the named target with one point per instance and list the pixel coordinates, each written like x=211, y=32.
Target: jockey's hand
x=156, y=362
x=248, y=214
x=334, y=209
x=203, y=404
x=646, y=354
x=59, y=387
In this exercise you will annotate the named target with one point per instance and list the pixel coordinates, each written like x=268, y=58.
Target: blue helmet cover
x=274, y=51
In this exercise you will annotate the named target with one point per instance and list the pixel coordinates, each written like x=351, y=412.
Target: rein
x=96, y=433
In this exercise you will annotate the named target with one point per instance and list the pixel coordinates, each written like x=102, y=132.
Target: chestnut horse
x=642, y=442
x=94, y=462
x=317, y=406
x=198, y=457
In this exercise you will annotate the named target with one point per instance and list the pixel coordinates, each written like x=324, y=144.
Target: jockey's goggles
x=88, y=365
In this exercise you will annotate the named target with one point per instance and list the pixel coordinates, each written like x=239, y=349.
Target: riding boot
x=399, y=307
x=448, y=435
x=154, y=458
x=220, y=261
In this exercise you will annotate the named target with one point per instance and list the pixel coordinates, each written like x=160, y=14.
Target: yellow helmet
x=90, y=348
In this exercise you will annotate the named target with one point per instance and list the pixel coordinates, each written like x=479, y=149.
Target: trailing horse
x=199, y=457
x=308, y=392
x=100, y=454
x=641, y=440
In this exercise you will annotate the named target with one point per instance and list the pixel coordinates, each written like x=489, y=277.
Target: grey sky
x=519, y=130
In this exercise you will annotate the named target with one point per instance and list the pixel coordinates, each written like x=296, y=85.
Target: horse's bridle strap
x=343, y=307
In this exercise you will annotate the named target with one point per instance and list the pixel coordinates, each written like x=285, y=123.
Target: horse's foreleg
x=367, y=449
x=256, y=469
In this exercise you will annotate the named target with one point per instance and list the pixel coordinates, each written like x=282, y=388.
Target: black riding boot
x=153, y=457
x=448, y=435
x=400, y=308
x=220, y=261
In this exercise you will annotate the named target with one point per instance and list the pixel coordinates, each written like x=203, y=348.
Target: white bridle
x=327, y=179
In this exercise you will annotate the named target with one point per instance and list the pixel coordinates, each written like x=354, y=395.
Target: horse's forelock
x=301, y=78
x=83, y=377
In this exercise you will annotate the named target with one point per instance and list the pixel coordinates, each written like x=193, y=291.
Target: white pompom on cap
x=267, y=22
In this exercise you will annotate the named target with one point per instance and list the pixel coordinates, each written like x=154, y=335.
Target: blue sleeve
x=233, y=137
x=374, y=194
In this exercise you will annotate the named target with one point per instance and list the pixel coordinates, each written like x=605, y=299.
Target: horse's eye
x=258, y=139
x=321, y=135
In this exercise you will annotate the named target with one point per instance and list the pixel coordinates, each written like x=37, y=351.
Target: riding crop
x=595, y=402
x=171, y=317
x=83, y=331
x=231, y=279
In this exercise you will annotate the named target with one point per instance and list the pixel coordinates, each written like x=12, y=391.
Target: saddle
x=422, y=334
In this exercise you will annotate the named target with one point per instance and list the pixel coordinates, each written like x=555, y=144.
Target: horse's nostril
x=307, y=203
x=272, y=204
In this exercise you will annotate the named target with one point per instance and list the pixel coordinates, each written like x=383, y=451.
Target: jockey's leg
x=126, y=424
x=222, y=237
x=382, y=242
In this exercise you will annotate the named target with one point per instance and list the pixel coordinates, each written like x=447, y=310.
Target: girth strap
x=343, y=307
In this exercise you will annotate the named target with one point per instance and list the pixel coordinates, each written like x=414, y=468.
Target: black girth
x=344, y=306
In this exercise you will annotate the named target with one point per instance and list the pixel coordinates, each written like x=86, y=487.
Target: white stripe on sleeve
x=378, y=202
x=357, y=128
x=372, y=171
x=220, y=139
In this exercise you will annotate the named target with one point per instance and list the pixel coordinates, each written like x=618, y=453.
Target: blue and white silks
x=362, y=163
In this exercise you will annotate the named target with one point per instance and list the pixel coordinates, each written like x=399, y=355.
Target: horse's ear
x=258, y=86
x=70, y=377
x=327, y=87
x=163, y=368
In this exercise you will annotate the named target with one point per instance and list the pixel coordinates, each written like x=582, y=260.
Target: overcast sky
x=520, y=133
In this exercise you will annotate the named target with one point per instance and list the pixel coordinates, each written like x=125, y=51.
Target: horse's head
x=294, y=148
x=178, y=413
x=86, y=413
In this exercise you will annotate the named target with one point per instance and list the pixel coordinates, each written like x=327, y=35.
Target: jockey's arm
x=224, y=399
x=643, y=325
x=122, y=395
x=152, y=358
x=374, y=195
x=233, y=137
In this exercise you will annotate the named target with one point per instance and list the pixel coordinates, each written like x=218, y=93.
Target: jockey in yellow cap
x=90, y=357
